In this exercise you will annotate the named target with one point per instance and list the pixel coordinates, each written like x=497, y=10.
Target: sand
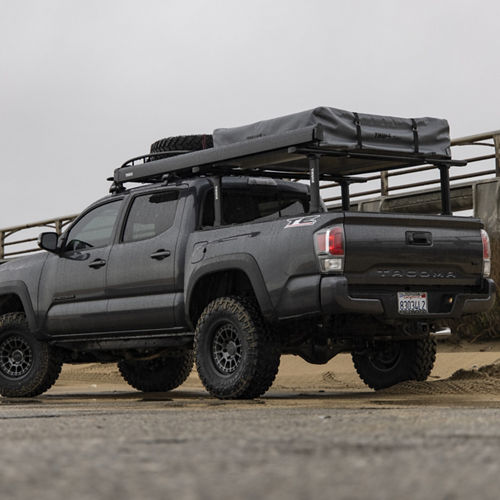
x=459, y=369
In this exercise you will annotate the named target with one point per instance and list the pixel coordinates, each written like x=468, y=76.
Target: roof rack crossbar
x=377, y=156
x=277, y=174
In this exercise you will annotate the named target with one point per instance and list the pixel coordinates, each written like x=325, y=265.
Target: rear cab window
x=254, y=203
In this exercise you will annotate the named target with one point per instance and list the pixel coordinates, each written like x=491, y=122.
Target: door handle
x=160, y=254
x=96, y=264
x=418, y=238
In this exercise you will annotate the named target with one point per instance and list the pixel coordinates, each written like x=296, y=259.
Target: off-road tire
x=183, y=143
x=159, y=374
x=258, y=347
x=414, y=361
x=28, y=367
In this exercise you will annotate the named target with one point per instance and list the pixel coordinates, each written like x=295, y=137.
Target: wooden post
x=384, y=183
x=2, y=241
x=496, y=141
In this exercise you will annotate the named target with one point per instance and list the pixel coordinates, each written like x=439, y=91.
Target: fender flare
x=240, y=262
x=20, y=289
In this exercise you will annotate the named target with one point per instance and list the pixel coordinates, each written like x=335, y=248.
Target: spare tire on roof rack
x=183, y=143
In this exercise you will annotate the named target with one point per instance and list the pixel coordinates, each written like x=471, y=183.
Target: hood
x=22, y=267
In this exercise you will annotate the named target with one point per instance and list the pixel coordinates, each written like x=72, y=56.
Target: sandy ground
x=318, y=433
x=456, y=372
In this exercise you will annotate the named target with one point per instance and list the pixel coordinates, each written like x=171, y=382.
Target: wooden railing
x=57, y=225
x=488, y=139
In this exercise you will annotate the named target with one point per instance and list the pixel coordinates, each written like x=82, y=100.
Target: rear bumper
x=476, y=304
x=335, y=299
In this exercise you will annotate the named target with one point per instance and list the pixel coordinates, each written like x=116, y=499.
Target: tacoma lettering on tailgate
x=399, y=273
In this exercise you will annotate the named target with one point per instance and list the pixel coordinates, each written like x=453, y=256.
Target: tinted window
x=150, y=215
x=240, y=206
x=95, y=228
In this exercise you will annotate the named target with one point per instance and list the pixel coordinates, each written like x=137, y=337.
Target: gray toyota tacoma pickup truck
x=214, y=255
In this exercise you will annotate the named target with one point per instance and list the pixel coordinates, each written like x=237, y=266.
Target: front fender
x=20, y=289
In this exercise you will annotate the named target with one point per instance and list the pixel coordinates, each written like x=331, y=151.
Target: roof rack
x=299, y=154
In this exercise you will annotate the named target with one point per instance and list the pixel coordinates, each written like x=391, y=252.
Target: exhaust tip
x=444, y=332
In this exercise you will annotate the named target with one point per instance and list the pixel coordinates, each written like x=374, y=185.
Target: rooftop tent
x=346, y=130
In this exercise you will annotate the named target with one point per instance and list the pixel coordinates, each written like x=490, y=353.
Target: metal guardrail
x=385, y=189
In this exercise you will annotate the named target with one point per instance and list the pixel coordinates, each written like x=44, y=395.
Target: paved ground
x=331, y=446
x=86, y=440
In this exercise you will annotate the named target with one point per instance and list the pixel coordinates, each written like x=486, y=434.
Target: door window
x=95, y=228
x=150, y=215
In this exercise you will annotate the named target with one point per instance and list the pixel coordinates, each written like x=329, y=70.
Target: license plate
x=412, y=302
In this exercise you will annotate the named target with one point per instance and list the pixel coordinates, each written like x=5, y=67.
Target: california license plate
x=412, y=302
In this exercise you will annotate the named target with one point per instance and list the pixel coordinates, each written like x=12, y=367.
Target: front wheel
x=389, y=363
x=28, y=367
x=237, y=355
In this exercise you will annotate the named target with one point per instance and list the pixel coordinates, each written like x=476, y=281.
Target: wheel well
x=10, y=303
x=218, y=284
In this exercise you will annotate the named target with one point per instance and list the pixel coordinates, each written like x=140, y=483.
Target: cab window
x=95, y=228
x=241, y=206
x=150, y=215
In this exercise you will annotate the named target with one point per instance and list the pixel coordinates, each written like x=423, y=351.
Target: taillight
x=321, y=242
x=330, y=249
x=336, y=240
x=486, y=253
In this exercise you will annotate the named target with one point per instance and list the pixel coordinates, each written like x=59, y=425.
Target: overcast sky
x=87, y=84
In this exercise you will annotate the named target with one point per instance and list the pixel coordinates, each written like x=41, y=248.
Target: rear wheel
x=389, y=363
x=28, y=367
x=237, y=356
x=160, y=374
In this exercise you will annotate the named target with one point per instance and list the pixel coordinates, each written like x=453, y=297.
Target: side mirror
x=48, y=241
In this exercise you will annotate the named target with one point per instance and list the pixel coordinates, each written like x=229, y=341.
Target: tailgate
x=397, y=249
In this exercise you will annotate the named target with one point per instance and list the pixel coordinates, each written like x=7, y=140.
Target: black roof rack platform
x=284, y=156
x=311, y=151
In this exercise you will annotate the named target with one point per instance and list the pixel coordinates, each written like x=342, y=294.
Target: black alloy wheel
x=16, y=357
x=28, y=366
x=237, y=354
x=226, y=348
x=387, y=358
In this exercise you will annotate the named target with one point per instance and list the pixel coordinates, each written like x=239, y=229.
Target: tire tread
x=183, y=142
